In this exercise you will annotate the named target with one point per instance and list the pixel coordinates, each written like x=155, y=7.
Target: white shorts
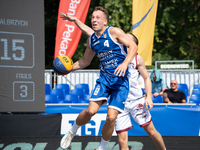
x=139, y=112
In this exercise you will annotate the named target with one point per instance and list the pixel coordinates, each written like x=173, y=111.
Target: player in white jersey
x=135, y=103
x=135, y=106
x=110, y=44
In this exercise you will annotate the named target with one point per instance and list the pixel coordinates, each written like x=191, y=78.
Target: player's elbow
x=87, y=63
x=135, y=47
x=84, y=64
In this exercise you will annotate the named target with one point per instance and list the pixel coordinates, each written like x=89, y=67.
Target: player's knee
x=152, y=133
x=91, y=112
x=122, y=142
x=111, y=119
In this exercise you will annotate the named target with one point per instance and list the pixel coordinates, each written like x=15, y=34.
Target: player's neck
x=100, y=32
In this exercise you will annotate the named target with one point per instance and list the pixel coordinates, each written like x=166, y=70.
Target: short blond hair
x=101, y=9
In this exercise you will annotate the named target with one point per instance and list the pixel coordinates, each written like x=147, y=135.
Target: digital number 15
x=14, y=49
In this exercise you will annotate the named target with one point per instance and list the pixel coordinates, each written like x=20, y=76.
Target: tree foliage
x=177, y=30
x=51, y=13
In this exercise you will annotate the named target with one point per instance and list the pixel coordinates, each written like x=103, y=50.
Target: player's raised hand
x=67, y=17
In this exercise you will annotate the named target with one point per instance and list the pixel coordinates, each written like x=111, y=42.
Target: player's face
x=98, y=20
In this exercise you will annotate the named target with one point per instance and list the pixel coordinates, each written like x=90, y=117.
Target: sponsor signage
x=67, y=33
x=174, y=65
x=92, y=142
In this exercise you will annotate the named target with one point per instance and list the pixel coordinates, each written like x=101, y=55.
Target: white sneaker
x=66, y=140
x=99, y=148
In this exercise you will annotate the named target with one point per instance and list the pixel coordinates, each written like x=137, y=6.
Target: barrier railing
x=190, y=77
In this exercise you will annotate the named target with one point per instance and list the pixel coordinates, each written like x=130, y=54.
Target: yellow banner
x=143, y=25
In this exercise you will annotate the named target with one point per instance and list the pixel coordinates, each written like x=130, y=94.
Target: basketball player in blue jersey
x=110, y=44
x=134, y=99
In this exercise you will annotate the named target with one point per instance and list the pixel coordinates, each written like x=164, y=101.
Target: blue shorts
x=115, y=89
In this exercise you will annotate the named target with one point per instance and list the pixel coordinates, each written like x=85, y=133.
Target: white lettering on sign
x=13, y=22
x=176, y=66
x=66, y=36
x=93, y=128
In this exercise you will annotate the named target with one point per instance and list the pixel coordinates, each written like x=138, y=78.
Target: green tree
x=51, y=13
x=177, y=35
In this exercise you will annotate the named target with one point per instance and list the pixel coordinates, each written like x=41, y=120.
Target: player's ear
x=105, y=22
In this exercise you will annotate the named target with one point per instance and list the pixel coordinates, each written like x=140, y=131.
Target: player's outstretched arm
x=84, y=28
x=122, y=38
x=147, y=81
x=86, y=60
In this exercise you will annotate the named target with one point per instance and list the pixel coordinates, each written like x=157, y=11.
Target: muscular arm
x=147, y=81
x=89, y=53
x=119, y=36
x=86, y=60
x=84, y=28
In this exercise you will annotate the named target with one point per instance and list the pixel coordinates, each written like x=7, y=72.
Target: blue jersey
x=109, y=86
x=110, y=53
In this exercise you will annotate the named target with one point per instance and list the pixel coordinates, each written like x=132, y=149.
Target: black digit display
x=17, y=50
x=22, y=56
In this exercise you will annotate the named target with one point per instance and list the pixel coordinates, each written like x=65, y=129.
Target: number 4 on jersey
x=106, y=43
